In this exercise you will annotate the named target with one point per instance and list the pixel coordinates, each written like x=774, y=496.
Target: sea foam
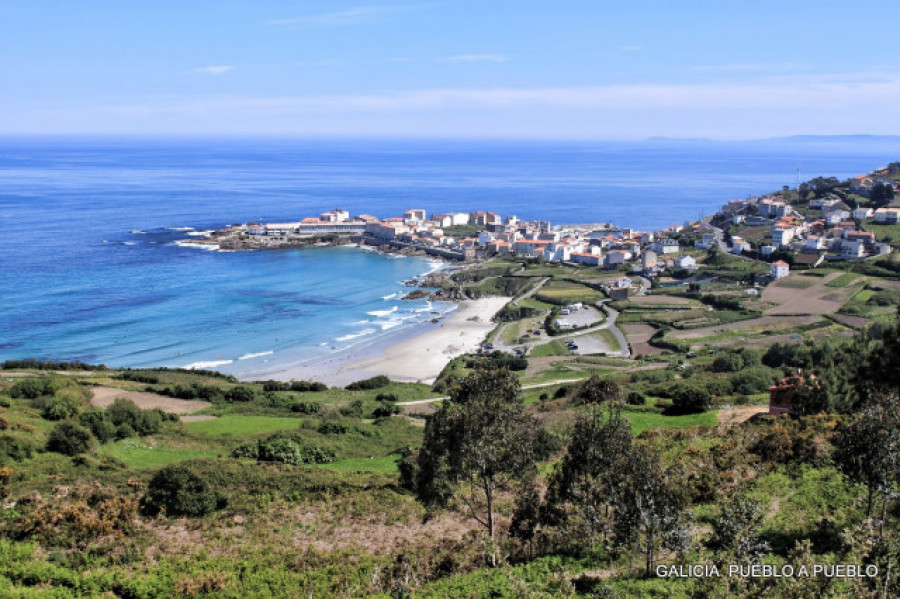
x=257, y=355
x=210, y=364
x=382, y=312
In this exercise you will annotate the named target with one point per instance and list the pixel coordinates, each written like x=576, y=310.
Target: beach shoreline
x=418, y=356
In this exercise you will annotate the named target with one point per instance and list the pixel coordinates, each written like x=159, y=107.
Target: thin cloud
x=477, y=58
x=826, y=92
x=215, y=69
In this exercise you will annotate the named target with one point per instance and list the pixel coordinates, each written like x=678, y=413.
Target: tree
x=649, y=513
x=690, y=400
x=479, y=443
x=178, y=490
x=586, y=485
x=596, y=390
x=867, y=448
x=881, y=194
x=69, y=438
x=736, y=529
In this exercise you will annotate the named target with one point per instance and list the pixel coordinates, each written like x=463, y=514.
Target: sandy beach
x=417, y=357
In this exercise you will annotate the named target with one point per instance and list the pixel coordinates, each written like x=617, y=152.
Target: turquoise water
x=90, y=268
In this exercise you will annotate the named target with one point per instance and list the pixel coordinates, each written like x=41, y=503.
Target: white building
x=335, y=216
x=767, y=250
x=852, y=249
x=862, y=213
x=686, y=262
x=887, y=216
x=780, y=269
x=665, y=246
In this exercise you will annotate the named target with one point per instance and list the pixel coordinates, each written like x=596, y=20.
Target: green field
x=843, y=280
x=642, y=419
x=565, y=292
x=888, y=233
x=553, y=348
x=384, y=465
x=243, y=426
x=138, y=453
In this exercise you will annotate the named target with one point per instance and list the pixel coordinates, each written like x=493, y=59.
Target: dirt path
x=732, y=416
x=105, y=396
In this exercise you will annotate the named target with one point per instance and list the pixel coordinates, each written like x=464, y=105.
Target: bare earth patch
x=778, y=322
x=668, y=300
x=105, y=396
x=638, y=336
x=813, y=298
x=856, y=322
x=732, y=416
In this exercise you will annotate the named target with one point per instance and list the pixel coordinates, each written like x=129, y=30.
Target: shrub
x=376, y=382
x=30, y=388
x=386, y=397
x=178, y=490
x=96, y=422
x=14, y=449
x=690, y=400
x=306, y=386
x=4, y=402
x=333, y=428
x=596, y=390
x=66, y=403
x=241, y=393
x=247, y=450
x=306, y=407
x=124, y=431
x=284, y=451
x=123, y=412
x=69, y=438
x=635, y=399
x=385, y=410
x=354, y=410
x=270, y=386
x=752, y=380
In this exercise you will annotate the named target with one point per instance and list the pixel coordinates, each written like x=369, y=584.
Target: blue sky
x=483, y=69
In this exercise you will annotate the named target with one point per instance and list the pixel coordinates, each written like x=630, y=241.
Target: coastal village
x=822, y=221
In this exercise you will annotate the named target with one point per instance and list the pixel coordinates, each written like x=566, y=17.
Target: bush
x=124, y=431
x=69, y=438
x=596, y=390
x=270, y=386
x=283, y=451
x=561, y=392
x=333, y=428
x=178, y=490
x=240, y=394
x=635, y=399
x=31, y=388
x=354, y=410
x=690, y=400
x=124, y=413
x=306, y=407
x=385, y=410
x=386, y=397
x=376, y=382
x=752, y=380
x=14, y=449
x=96, y=422
x=247, y=450
x=306, y=386
x=66, y=403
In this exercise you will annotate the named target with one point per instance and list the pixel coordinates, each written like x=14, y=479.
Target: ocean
x=91, y=268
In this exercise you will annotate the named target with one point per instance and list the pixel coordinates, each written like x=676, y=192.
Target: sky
x=503, y=69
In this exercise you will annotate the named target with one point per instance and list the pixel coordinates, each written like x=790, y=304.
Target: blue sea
x=91, y=268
